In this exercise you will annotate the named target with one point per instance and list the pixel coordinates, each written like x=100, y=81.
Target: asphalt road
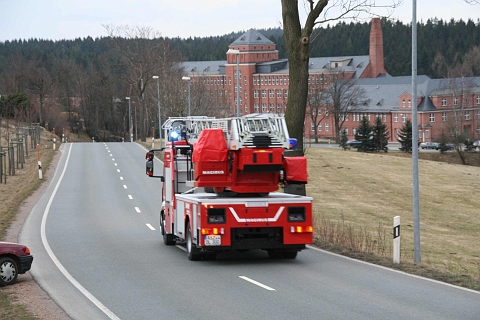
x=99, y=254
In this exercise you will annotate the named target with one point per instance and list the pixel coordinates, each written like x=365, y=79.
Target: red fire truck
x=220, y=181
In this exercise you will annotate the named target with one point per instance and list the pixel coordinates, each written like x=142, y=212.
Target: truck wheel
x=192, y=251
x=272, y=254
x=168, y=239
x=290, y=254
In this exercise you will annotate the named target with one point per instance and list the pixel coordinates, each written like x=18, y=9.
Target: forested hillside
x=451, y=40
x=98, y=85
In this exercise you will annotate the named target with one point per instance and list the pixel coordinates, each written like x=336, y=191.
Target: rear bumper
x=25, y=263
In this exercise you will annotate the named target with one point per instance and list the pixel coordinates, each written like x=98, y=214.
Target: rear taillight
x=26, y=250
x=301, y=229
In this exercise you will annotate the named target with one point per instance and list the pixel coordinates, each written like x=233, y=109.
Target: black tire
x=290, y=254
x=168, y=239
x=8, y=271
x=192, y=251
x=272, y=254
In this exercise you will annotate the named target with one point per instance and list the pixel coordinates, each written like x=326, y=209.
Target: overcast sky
x=70, y=19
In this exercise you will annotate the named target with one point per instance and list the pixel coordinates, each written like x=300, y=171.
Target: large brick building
x=264, y=82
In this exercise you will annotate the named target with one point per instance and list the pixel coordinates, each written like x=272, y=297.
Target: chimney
x=376, y=49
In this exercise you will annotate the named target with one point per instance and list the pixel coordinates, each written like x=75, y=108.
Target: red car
x=14, y=259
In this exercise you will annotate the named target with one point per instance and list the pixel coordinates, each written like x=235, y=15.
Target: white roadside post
x=40, y=176
x=396, y=239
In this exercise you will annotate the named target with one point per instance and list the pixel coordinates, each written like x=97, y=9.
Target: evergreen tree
x=364, y=134
x=405, y=137
x=380, y=135
x=344, y=139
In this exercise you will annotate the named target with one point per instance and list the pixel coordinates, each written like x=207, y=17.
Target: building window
x=272, y=108
x=384, y=118
x=467, y=115
x=354, y=131
x=395, y=117
x=444, y=102
x=264, y=93
x=254, y=81
x=276, y=80
x=478, y=130
x=229, y=81
x=404, y=117
x=279, y=93
x=245, y=80
x=285, y=93
x=279, y=108
x=281, y=81
x=255, y=93
x=261, y=80
x=403, y=103
x=427, y=134
x=478, y=114
x=264, y=107
x=432, y=117
x=326, y=127
x=346, y=131
x=245, y=94
x=246, y=108
x=326, y=113
x=455, y=101
x=478, y=100
x=313, y=126
x=269, y=80
x=270, y=93
x=444, y=116
x=410, y=104
x=256, y=108
x=320, y=126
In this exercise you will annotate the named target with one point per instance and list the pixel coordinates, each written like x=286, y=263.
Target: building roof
x=204, y=67
x=251, y=37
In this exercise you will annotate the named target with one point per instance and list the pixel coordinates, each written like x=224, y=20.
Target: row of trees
x=373, y=138
x=92, y=94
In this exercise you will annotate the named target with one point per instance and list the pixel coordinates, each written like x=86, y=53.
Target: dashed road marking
x=150, y=226
x=137, y=209
x=256, y=283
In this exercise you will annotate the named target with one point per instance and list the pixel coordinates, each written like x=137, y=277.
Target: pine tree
x=380, y=135
x=344, y=139
x=405, y=137
x=364, y=134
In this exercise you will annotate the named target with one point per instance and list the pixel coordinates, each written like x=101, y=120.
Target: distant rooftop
x=251, y=37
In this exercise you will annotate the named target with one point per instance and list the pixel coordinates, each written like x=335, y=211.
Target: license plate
x=213, y=240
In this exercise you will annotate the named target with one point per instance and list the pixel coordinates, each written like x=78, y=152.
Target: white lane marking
x=113, y=159
x=256, y=283
x=110, y=155
x=124, y=186
x=137, y=209
x=60, y=267
x=121, y=178
x=115, y=164
x=150, y=226
x=130, y=197
x=118, y=170
x=180, y=247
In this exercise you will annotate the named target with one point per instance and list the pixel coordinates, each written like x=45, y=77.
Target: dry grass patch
x=362, y=193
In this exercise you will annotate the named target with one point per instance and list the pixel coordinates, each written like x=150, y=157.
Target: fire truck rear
x=220, y=187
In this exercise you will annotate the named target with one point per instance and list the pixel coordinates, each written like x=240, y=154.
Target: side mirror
x=149, y=167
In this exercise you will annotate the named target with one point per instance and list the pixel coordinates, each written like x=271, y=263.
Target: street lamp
x=237, y=52
x=188, y=80
x=159, y=115
x=129, y=120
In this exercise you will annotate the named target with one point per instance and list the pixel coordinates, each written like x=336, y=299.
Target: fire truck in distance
x=220, y=187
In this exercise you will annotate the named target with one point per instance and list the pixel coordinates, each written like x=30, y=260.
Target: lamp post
x=159, y=114
x=188, y=80
x=237, y=52
x=129, y=120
